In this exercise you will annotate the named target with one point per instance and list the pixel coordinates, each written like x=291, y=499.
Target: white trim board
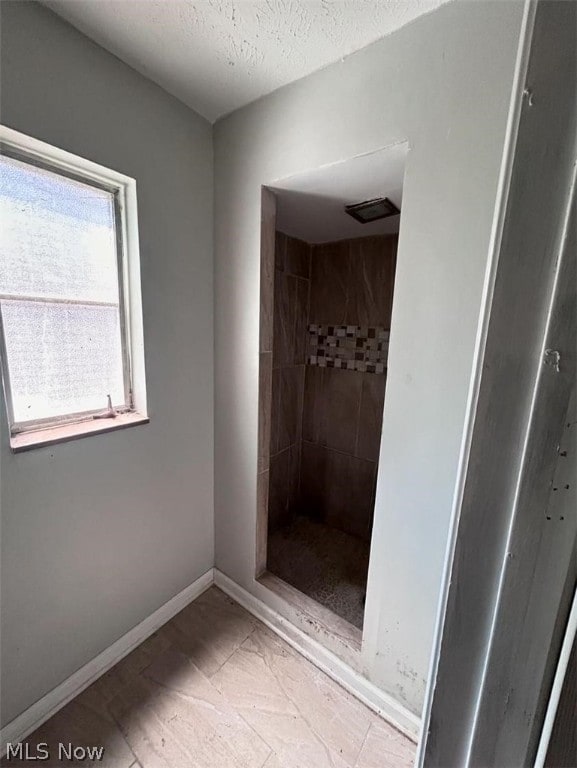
x=497, y=227
x=368, y=693
x=48, y=705
x=379, y=701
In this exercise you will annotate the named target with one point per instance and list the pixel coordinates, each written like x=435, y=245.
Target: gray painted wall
x=99, y=533
x=443, y=83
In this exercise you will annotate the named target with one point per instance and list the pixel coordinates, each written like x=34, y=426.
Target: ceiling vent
x=372, y=210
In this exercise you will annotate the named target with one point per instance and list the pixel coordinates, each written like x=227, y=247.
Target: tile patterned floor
x=214, y=688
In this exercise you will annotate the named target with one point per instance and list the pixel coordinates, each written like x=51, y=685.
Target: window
x=65, y=306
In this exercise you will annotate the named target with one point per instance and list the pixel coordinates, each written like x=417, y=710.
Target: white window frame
x=24, y=435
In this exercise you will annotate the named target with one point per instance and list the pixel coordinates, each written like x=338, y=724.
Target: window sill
x=27, y=441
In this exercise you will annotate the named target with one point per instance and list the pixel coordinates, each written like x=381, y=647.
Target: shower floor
x=326, y=564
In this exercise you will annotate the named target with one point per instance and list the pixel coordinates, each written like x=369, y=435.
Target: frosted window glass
x=57, y=236
x=59, y=293
x=63, y=358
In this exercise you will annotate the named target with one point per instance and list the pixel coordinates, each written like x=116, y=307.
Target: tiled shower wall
x=351, y=298
x=291, y=295
x=332, y=309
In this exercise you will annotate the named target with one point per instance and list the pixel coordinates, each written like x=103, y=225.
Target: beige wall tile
x=294, y=478
x=280, y=250
x=262, y=490
x=315, y=478
x=268, y=218
x=284, y=318
x=264, y=409
x=278, y=495
x=370, y=281
x=290, y=405
x=330, y=265
x=339, y=404
x=312, y=412
x=290, y=308
x=338, y=489
x=350, y=282
x=350, y=493
x=297, y=257
x=332, y=399
x=301, y=321
x=275, y=411
x=370, y=417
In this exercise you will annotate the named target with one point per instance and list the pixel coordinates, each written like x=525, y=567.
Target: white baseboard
x=392, y=711
x=48, y=705
x=380, y=702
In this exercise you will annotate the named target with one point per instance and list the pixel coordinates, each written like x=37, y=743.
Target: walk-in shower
x=323, y=379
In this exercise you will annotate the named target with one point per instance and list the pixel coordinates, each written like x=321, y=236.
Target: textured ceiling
x=311, y=205
x=217, y=55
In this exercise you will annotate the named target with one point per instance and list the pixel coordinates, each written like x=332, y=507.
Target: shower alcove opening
x=326, y=300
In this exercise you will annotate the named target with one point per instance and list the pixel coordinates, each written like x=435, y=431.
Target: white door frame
x=483, y=705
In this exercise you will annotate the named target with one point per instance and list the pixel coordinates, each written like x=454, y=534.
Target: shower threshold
x=324, y=563
x=330, y=630
x=320, y=573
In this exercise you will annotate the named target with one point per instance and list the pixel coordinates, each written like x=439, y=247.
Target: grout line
x=229, y=657
x=363, y=745
x=343, y=453
x=278, y=677
x=234, y=708
x=278, y=453
x=120, y=729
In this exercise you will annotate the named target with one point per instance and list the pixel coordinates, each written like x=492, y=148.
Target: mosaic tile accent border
x=352, y=347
